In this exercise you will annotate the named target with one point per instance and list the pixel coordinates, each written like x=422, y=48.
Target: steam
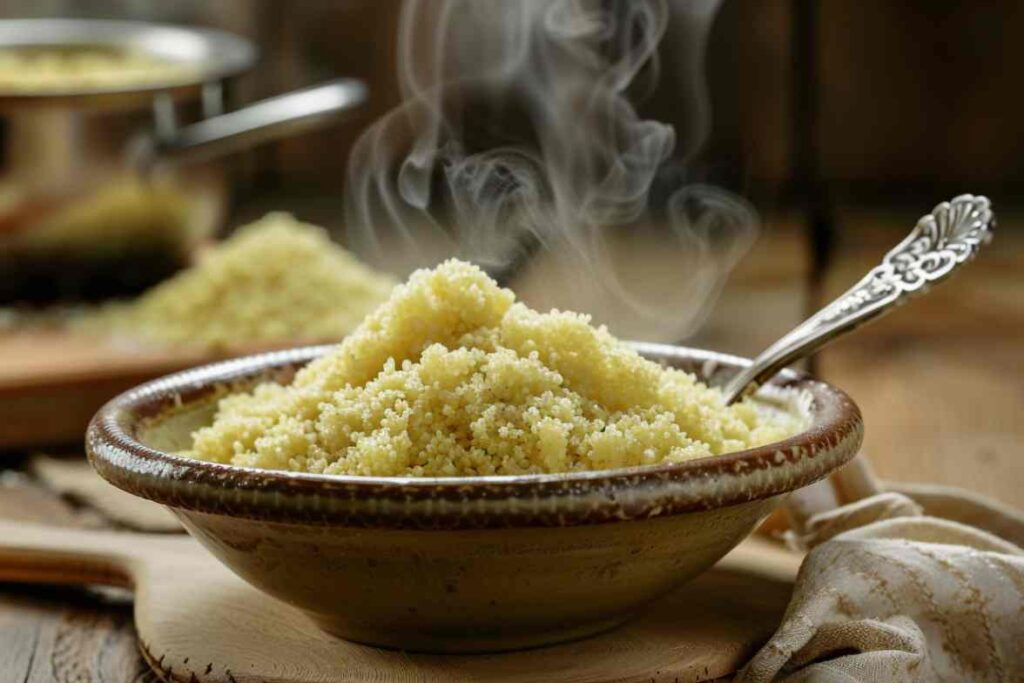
x=517, y=146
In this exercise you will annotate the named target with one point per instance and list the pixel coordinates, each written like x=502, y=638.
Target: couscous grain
x=453, y=377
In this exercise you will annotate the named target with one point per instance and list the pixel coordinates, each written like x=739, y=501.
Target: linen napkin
x=917, y=583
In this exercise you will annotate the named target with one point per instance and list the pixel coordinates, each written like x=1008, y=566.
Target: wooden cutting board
x=52, y=380
x=197, y=622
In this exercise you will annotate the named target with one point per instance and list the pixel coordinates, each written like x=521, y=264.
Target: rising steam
x=517, y=147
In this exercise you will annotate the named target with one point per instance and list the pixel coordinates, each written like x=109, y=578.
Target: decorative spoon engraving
x=943, y=240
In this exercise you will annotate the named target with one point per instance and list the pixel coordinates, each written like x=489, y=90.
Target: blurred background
x=904, y=100
x=839, y=122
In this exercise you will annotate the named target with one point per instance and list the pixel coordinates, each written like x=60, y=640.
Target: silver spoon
x=942, y=241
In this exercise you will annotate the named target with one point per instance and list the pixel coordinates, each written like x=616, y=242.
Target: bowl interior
x=172, y=431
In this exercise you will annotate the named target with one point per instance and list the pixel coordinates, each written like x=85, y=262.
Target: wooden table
x=938, y=382
x=61, y=633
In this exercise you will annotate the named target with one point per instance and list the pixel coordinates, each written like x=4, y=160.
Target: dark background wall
x=916, y=97
x=908, y=99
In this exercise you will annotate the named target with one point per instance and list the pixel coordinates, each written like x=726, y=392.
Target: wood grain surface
x=67, y=636
x=62, y=634
x=52, y=381
x=74, y=479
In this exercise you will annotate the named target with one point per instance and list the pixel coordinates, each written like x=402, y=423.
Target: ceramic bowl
x=460, y=564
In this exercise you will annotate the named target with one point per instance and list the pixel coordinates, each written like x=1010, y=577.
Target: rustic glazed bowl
x=461, y=564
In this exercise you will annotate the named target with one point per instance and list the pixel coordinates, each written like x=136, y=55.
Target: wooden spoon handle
x=33, y=553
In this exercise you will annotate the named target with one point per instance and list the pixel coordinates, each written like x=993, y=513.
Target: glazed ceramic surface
x=461, y=564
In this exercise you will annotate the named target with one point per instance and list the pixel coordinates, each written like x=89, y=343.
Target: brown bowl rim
x=576, y=498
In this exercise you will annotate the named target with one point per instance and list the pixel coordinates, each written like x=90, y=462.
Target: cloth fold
x=889, y=592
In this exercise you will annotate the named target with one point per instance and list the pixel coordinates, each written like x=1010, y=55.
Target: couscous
x=274, y=280
x=453, y=377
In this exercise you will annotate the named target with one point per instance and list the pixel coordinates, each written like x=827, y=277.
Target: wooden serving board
x=197, y=622
x=52, y=381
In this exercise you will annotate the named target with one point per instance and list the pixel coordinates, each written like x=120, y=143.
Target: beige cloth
x=891, y=591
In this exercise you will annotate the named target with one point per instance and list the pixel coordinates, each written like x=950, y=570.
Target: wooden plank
x=52, y=381
x=66, y=635
x=73, y=478
x=24, y=501
x=58, y=633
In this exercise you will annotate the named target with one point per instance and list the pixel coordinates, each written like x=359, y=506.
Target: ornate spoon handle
x=942, y=240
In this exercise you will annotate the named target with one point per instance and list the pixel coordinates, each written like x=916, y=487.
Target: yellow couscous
x=452, y=377
x=274, y=280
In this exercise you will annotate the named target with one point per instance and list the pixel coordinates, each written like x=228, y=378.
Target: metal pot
x=98, y=195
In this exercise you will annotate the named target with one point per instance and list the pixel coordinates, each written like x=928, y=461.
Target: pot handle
x=269, y=119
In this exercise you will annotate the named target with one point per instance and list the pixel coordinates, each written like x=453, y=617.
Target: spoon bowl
x=463, y=564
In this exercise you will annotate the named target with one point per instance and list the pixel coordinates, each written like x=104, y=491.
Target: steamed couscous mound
x=273, y=280
x=452, y=377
